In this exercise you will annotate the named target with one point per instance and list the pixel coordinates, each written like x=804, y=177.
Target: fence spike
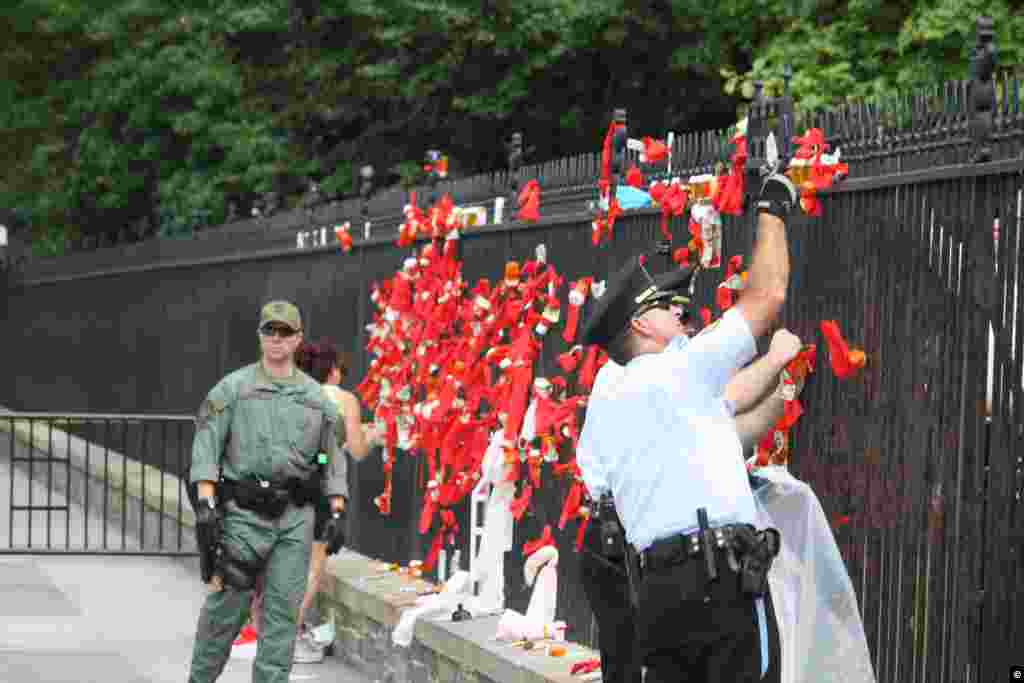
x=863, y=124
x=692, y=152
x=962, y=97
x=983, y=106
x=1006, y=98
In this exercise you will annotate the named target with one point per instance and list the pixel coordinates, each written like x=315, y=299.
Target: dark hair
x=344, y=363
x=317, y=359
x=622, y=348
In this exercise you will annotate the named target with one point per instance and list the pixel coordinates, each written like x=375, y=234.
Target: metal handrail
x=88, y=417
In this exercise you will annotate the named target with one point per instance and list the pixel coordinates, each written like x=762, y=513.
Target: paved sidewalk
x=93, y=619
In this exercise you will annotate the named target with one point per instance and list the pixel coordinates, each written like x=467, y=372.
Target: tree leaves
x=117, y=111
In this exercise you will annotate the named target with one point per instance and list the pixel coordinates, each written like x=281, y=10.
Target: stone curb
x=365, y=602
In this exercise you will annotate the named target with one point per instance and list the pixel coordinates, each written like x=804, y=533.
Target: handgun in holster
x=757, y=550
x=208, y=545
x=613, y=536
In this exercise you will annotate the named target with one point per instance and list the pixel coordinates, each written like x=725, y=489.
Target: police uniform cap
x=631, y=289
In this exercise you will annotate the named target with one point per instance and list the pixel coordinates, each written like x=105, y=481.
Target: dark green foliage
x=141, y=116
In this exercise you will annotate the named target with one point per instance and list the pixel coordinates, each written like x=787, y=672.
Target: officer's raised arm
x=765, y=293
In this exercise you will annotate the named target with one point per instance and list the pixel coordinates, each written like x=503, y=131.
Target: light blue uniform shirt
x=591, y=469
x=662, y=438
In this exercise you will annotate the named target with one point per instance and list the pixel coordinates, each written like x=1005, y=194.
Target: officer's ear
x=640, y=325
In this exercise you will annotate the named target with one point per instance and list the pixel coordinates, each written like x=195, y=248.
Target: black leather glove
x=778, y=196
x=334, y=532
x=208, y=535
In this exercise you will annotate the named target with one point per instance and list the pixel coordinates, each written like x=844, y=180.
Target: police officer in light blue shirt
x=671, y=455
x=603, y=573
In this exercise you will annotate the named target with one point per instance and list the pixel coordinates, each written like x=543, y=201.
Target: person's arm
x=748, y=386
x=768, y=279
x=590, y=467
x=357, y=443
x=587, y=455
x=335, y=479
x=753, y=424
x=212, y=427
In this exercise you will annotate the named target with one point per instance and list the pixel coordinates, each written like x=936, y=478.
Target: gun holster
x=208, y=533
x=613, y=539
x=216, y=558
x=757, y=550
x=613, y=536
x=237, y=573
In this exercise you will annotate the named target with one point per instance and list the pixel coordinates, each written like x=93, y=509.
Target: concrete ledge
x=365, y=601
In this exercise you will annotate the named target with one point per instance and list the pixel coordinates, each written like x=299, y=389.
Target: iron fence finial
x=619, y=138
x=514, y=154
x=981, y=90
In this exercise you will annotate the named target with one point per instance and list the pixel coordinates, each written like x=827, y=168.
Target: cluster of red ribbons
x=813, y=170
x=728, y=195
x=452, y=364
x=773, y=448
x=603, y=226
x=344, y=237
x=724, y=195
x=436, y=222
x=734, y=282
x=672, y=197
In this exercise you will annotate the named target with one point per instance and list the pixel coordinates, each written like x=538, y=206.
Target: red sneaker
x=248, y=635
x=245, y=644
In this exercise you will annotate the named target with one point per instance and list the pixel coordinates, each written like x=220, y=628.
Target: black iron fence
x=95, y=484
x=910, y=267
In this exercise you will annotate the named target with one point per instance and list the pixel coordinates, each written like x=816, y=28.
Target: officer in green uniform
x=266, y=448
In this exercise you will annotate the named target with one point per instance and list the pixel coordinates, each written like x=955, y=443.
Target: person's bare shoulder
x=349, y=401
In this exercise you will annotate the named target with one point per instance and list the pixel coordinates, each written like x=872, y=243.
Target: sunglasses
x=666, y=304
x=282, y=331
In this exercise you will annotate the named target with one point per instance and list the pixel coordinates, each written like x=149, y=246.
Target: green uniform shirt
x=260, y=427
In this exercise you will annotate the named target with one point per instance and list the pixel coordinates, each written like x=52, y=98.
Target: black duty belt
x=605, y=511
x=268, y=499
x=681, y=547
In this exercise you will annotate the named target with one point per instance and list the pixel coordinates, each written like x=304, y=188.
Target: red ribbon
x=529, y=202
x=845, y=363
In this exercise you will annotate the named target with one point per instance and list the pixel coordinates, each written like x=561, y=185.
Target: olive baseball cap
x=281, y=312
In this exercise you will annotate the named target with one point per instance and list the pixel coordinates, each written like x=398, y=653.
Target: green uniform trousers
x=284, y=544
